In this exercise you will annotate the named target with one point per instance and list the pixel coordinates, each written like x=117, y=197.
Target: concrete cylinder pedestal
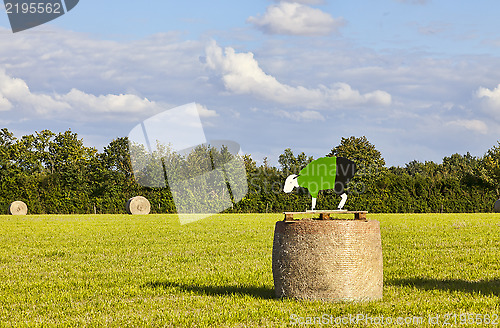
x=331, y=260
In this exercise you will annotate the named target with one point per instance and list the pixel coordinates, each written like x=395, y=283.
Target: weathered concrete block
x=337, y=260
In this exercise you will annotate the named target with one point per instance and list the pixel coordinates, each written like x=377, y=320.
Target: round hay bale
x=18, y=208
x=138, y=205
x=334, y=260
x=496, y=207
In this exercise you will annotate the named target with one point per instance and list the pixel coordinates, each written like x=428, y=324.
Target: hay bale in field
x=18, y=208
x=496, y=207
x=138, y=205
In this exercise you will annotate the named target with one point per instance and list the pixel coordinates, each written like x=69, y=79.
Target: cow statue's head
x=290, y=183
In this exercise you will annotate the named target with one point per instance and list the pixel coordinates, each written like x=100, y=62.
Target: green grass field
x=117, y=270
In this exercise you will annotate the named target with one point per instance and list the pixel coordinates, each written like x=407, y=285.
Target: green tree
x=7, y=140
x=361, y=151
x=116, y=157
x=370, y=166
x=69, y=163
x=460, y=165
x=489, y=168
x=291, y=164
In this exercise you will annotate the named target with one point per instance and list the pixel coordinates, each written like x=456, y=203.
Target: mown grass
x=116, y=270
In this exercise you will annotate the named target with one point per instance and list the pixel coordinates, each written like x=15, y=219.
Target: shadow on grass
x=257, y=292
x=485, y=287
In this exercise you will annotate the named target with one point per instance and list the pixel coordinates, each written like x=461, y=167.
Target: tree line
x=55, y=173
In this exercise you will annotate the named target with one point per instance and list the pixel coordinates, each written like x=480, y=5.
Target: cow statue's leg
x=313, y=204
x=343, y=200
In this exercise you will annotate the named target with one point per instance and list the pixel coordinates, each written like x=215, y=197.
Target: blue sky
x=419, y=78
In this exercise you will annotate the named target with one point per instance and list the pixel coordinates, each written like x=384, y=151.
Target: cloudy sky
x=419, y=78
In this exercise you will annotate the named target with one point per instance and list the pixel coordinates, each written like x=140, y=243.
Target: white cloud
x=242, y=74
x=14, y=90
x=161, y=65
x=293, y=18
x=296, y=79
x=472, y=125
x=306, y=2
x=11, y=87
x=490, y=99
x=205, y=112
x=304, y=116
x=5, y=104
x=123, y=103
x=15, y=93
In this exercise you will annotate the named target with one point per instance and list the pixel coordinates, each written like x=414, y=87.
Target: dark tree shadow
x=485, y=287
x=257, y=292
